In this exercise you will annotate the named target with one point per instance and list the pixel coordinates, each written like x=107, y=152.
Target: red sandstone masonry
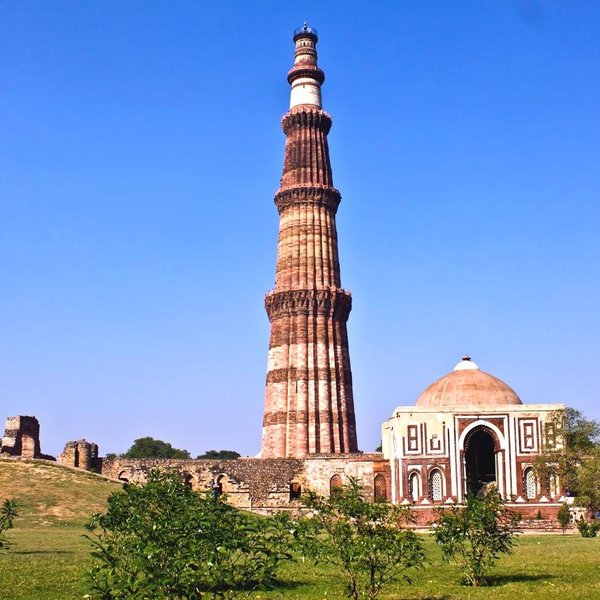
x=309, y=406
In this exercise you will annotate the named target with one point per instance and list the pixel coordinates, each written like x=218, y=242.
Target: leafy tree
x=365, y=539
x=588, y=480
x=574, y=455
x=7, y=514
x=163, y=541
x=563, y=517
x=474, y=535
x=220, y=454
x=148, y=447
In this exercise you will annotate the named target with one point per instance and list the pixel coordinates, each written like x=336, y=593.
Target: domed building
x=466, y=431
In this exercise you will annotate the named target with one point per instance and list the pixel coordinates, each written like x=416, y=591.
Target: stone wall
x=22, y=438
x=261, y=485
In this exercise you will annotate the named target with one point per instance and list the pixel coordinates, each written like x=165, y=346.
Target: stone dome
x=467, y=386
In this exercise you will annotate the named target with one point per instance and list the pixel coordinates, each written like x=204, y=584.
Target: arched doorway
x=414, y=487
x=380, y=488
x=335, y=485
x=480, y=459
x=295, y=490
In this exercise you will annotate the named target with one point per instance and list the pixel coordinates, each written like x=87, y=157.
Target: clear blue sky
x=140, y=149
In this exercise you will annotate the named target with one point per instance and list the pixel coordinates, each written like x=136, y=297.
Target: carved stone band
x=314, y=195
x=306, y=118
x=335, y=303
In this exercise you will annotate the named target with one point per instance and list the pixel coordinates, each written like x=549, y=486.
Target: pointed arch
x=414, y=486
x=436, y=485
x=529, y=484
x=335, y=485
x=380, y=488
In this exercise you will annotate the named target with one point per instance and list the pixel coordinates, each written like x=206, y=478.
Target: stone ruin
x=22, y=438
x=256, y=484
x=82, y=455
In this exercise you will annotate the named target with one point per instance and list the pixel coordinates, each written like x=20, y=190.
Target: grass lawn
x=48, y=562
x=49, y=557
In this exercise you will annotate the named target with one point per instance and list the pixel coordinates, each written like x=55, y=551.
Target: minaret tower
x=309, y=406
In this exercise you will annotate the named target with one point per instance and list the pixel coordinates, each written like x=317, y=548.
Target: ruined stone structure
x=22, y=438
x=264, y=485
x=82, y=455
x=309, y=407
x=466, y=431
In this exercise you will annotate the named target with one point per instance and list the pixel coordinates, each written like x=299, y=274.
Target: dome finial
x=466, y=364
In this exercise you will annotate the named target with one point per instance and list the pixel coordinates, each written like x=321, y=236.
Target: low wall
x=261, y=485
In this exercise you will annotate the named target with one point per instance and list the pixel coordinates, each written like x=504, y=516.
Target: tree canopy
x=220, y=454
x=573, y=455
x=148, y=447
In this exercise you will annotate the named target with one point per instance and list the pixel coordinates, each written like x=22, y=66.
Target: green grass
x=542, y=567
x=49, y=563
x=49, y=556
x=49, y=493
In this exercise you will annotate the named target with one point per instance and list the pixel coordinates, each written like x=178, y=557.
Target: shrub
x=365, y=540
x=164, y=541
x=7, y=514
x=588, y=529
x=563, y=517
x=474, y=535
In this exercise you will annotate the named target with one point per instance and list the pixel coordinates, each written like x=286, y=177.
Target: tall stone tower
x=309, y=406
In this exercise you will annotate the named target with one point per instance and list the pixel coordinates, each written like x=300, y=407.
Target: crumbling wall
x=250, y=483
x=81, y=454
x=262, y=485
x=22, y=438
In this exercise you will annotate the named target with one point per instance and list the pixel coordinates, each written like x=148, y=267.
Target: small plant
x=563, y=517
x=476, y=534
x=588, y=529
x=366, y=540
x=7, y=514
x=538, y=516
x=164, y=541
x=518, y=516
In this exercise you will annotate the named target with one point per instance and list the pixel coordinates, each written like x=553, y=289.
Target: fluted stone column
x=309, y=407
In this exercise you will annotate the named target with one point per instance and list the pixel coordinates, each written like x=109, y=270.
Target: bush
x=563, y=517
x=588, y=529
x=365, y=540
x=7, y=514
x=164, y=541
x=476, y=534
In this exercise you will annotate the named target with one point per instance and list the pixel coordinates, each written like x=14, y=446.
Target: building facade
x=469, y=430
